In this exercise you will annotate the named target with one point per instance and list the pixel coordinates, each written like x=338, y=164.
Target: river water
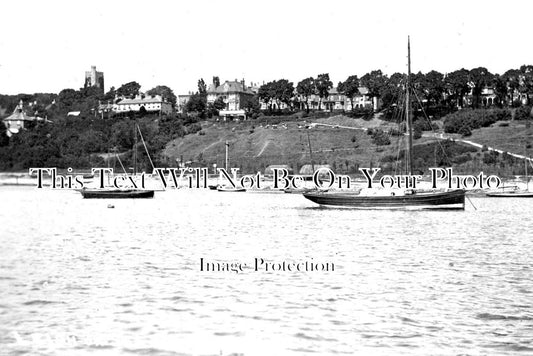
x=80, y=278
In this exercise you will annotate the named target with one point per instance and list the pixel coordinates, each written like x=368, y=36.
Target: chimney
x=243, y=87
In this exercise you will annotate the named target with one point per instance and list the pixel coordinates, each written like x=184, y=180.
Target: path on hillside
x=439, y=136
x=263, y=149
x=478, y=145
x=212, y=144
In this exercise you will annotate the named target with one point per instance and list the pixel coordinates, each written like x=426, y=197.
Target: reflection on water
x=78, y=278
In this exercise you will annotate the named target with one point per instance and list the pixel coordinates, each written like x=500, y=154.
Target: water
x=79, y=278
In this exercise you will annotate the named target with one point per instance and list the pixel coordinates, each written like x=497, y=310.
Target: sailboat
x=408, y=199
x=113, y=193
x=513, y=191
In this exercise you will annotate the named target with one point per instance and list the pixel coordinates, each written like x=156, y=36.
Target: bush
x=193, y=128
x=523, y=113
x=465, y=131
x=364, y=113
x=468, y=119
x=379, y=137
x=417, y=134
x=490, y=157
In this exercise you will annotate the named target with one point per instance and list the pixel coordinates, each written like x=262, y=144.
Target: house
x=19, y=119
x=235, y=95
x=337, y=101
x=150, y=103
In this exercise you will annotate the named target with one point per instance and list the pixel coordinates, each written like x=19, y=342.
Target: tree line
x=433, y=88
x=79, y=141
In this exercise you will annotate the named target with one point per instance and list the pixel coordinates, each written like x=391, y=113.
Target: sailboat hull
x=511, y=194
x=117, y=194
x=441, y=200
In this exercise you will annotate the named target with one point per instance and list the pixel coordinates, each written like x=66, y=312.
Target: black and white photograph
x=257, y=178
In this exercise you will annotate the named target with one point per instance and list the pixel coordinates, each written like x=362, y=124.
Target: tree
x=323, y=85
x=375, y=82
x=165, y=92
x=456, y=84
x=252, y=106
x=4, y=139
x=350, y=88
x=500, y=89
x=197, y=104
x=219, y=104
x=266, y=94
x=512, y=80
x=68, y=97
x=479, y=78
x=216, y=82
x=390, y=93
x=306, y=88
x=129, y=90
x=433, y=87
x=215, y=107
x=526, y=81
x=110, y=95
x=283, y=92
x=280, y=91
x=202, y=88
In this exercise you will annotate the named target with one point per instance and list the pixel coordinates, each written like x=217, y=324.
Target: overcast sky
x=47, y=46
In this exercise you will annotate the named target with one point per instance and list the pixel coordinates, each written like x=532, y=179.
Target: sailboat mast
x=227, y=157
x=311, y=154
x=525, y=152
x=527, y=177
x=408, y=112
x=135, y=149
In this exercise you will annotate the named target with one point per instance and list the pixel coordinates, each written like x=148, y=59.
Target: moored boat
x=511, y=192
x=411, y=199
x=230, y=189
x=407, y=199
x=116, y=193
x=131, y=193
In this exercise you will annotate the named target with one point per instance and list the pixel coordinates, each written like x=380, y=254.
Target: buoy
x=110, y=206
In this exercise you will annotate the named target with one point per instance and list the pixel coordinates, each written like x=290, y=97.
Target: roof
x=229, y=87
x=362, y=91
x=19, y=115
x=141, y=100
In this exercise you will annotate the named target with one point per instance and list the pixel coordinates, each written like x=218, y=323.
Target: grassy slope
x=255, y=147
x=512, y=138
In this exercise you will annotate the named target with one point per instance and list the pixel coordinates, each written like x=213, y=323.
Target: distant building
x=235, y=95
x=182, y=101
x=337, y=101
x=150, y=103
x=94, y=78
x=17, y=121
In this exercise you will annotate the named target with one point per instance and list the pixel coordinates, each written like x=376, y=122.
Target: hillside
x=255, y=147
x=343, y=143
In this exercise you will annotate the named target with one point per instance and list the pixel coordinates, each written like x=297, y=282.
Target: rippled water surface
x=79, y=278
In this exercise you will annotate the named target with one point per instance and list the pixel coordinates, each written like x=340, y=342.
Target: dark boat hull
x=510, y=195
x=435, y=200
x=231, y=190
x=117, y=194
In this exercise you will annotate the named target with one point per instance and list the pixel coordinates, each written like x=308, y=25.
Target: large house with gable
x=235, y=95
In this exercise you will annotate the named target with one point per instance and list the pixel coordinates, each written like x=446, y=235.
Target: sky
x=46, y=46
